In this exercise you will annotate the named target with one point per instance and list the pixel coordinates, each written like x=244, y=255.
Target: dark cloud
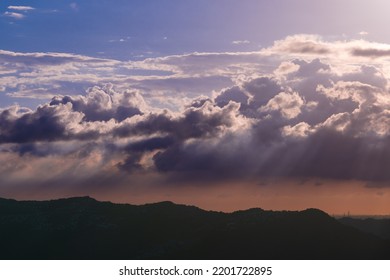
x=371, y=52
x=343, y=138
x=44, y=124
x=70, y=117
x=150, y=144
x=251, y=95
x=235, y=93
x=325, y=154
x=202, y=122
x=200, y=161
x=331, y=154
x=136, y=150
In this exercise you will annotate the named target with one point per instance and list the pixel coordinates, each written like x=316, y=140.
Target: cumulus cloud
x=47, y=123
x=103, y=104
x=289, y=104
x=306, y=114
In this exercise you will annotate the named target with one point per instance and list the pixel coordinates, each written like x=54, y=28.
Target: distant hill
x=83, y=228
x=378, y=227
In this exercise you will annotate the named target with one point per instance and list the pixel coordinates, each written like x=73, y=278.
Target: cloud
x=289, y=104
x=14, y=15
x=36, y=59
x=303, y=108
x=103, y=104
x=166, y=81
x=21, y=8
x=240, y=42
x=120, y=40
x=19, y=11
x=74, y=6
x=301, y=44
x=370, y=52
x=47, y=123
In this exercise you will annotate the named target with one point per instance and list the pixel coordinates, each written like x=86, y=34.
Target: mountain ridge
x=84, y=228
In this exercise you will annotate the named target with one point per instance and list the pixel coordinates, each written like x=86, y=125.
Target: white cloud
x=14, y=15
x=289, y=104
x=300, y=130
x=21, y=8
x=313, y=46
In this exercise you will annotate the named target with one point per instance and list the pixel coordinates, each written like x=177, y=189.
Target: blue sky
x=128, y=29
x=125, y=29
x=223, y=104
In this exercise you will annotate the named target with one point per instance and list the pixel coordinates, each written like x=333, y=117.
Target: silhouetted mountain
x=379, y=227
x=83, y=228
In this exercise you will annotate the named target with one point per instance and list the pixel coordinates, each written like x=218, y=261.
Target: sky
x=225, y=105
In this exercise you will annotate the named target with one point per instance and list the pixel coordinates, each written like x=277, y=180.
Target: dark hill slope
x=379, y=227
x=83, y=228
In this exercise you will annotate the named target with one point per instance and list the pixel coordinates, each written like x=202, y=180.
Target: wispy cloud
x=120, y=40
x=20, y=11
x=241, y=42
x=14, y=15
x=74, y=6
x=21, y=8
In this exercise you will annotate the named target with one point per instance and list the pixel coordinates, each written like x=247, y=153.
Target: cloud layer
x=302, y=108
x=18, y=12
